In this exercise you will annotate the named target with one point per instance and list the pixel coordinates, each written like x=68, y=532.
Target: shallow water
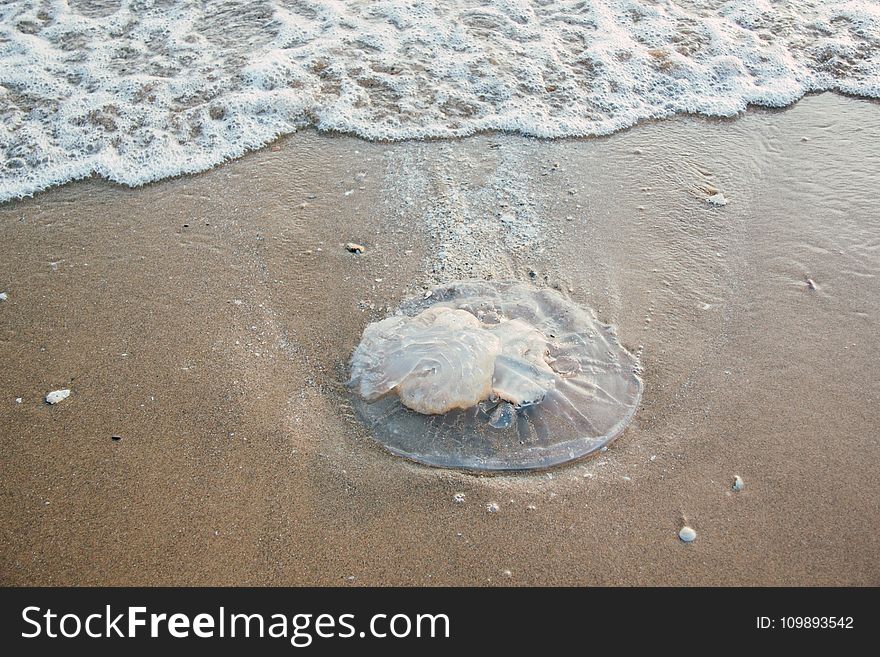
x=136, y=90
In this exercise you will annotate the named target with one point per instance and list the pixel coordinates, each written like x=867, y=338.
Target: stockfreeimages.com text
x=300, y=629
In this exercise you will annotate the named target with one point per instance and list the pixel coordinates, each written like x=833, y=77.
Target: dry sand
x=207, y=321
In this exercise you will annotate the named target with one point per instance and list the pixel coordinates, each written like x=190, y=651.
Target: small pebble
x=18, y=400
x=507, y=573
x=57, y=396
x=458, y=498
x=717, y=200
x=352, y=247
x=492, y=507
x=738, y=483
x=115, y=437
x=687, y=534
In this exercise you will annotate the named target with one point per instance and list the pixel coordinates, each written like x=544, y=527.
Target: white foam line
x=140, y=92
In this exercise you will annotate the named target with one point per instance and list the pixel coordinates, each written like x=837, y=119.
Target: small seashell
x=57, y=396
x=687, y=534
x=458, y=498
x=353, y=247
x=738, y=483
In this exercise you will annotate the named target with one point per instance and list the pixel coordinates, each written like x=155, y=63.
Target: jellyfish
x=493, y=376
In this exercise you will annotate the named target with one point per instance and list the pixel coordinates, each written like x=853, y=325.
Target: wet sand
x=206, y=321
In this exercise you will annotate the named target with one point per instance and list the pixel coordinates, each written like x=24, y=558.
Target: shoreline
x=332, y=133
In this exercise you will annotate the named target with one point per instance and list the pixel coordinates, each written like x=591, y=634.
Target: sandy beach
x=204, y=324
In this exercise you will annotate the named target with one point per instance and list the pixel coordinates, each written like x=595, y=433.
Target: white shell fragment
x=717, y=200
x=738, y=483
x=57, y=396
x=687, y=534
x=493, y=376
x=3, y=296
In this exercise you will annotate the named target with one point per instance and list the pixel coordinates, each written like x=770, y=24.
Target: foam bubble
x=137, y=90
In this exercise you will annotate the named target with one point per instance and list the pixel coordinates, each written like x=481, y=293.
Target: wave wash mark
x=138, y=90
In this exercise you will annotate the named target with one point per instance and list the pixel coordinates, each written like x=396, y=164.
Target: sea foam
x=138, y=90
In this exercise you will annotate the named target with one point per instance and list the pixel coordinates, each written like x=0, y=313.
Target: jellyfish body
x=493, y=376
x=437, y=361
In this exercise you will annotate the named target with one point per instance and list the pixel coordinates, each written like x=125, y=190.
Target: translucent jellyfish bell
x=493, y=376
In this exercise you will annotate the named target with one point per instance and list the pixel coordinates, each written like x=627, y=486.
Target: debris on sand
x=687, y=534
x=738, y=484
x=718, y=200
x=57, y=396
x=353, y=247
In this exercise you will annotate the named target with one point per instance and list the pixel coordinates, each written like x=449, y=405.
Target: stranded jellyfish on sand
x=493, y=376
